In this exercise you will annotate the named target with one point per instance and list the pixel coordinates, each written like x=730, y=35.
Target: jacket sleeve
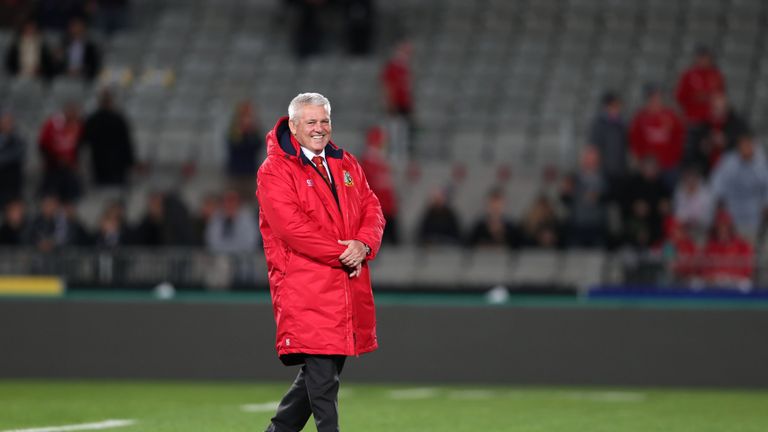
x=280, y=206
x=372, y=219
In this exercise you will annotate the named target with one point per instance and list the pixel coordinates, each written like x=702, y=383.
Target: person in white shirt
x=28, y=56
x=232, y=229
x=693, y=203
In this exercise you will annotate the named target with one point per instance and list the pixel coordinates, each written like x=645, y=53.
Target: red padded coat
x=318, y=308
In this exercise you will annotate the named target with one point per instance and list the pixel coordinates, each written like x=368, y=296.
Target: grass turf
x=217, y=407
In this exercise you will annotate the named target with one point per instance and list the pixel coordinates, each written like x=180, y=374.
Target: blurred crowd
x=225, y=222
x=683, y=178
x=74, y=53
x=686, y=184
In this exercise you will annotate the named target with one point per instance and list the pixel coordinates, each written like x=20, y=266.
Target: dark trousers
x=314, y=392
x=62, y=182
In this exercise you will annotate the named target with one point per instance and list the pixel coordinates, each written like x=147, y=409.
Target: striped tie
x=318, y=160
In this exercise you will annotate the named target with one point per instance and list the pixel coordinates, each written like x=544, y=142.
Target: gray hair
x=307, y=99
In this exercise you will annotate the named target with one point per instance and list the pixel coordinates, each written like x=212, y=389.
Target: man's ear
x=292, y=126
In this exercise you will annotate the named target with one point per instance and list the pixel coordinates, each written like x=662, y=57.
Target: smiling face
x=312, y=127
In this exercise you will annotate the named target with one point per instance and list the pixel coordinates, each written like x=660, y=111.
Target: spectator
x=728, y=258
x=80, y=57
x=74, y=232
x=59, y=144
x=641, y=229
x=108, y=135
x=49, y=230
x=658, y=132
x=111, y=15
x=208, y=207
x=151, y=229
x=379, y=175
x=609, y=135
x=244, y=146
x=645, y=205
x=232, y=229
x=12, y=149
x=439, y=225
x=56, y=14
x=309, y=28
x=15, y=229
x=709, y=140
x=693, y=204
x=398, y=99
x=740, y=182
x=360, y=19
x=697, y=85
x=541, y=225
x=583, y=193
x=681, y=252
x=166, y=222
x=112, y=230
x=494, y=228
x=28, y=56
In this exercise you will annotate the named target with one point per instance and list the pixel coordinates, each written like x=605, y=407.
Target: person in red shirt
x=398, y=99
x=697, y=85
x=59, y=143
x=658, y=132
x=728, y=258
x=681, y=250
x=396, y=79
x=379, y=173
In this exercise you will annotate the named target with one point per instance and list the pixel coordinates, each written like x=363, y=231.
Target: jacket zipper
x=348, y=291
x=350, y=320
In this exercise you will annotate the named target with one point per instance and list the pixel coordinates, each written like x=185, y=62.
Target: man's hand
x=356, y=271
x=355, y=253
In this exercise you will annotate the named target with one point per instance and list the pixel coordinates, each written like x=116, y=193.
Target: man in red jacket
x=59, y=144
x=697, y=85
x=321, y=223
x=658, y=132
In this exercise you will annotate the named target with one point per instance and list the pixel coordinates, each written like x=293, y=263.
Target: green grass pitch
x=228, y=407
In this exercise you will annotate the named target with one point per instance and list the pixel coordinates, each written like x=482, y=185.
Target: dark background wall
x=523, y=345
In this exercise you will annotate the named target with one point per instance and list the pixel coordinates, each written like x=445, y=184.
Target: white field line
x=414, y=393
x=106, y=424
x=472, y=394
x=607, y=396
x=260, y=407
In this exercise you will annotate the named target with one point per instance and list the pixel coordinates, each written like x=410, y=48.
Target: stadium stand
x=504, y=90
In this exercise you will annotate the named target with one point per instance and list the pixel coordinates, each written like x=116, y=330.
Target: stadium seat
x=582, y=268
x=487, y=267
x=536, y=268
x=395, y=267
x=441, y=267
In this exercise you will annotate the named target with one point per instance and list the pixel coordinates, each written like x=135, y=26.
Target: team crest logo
x=348, y=179
x=310, y=183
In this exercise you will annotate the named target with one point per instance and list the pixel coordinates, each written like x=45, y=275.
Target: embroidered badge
x=310, y=183
x=348, y=179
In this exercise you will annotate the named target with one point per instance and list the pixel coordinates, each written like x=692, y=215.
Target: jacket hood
x=280, y=142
